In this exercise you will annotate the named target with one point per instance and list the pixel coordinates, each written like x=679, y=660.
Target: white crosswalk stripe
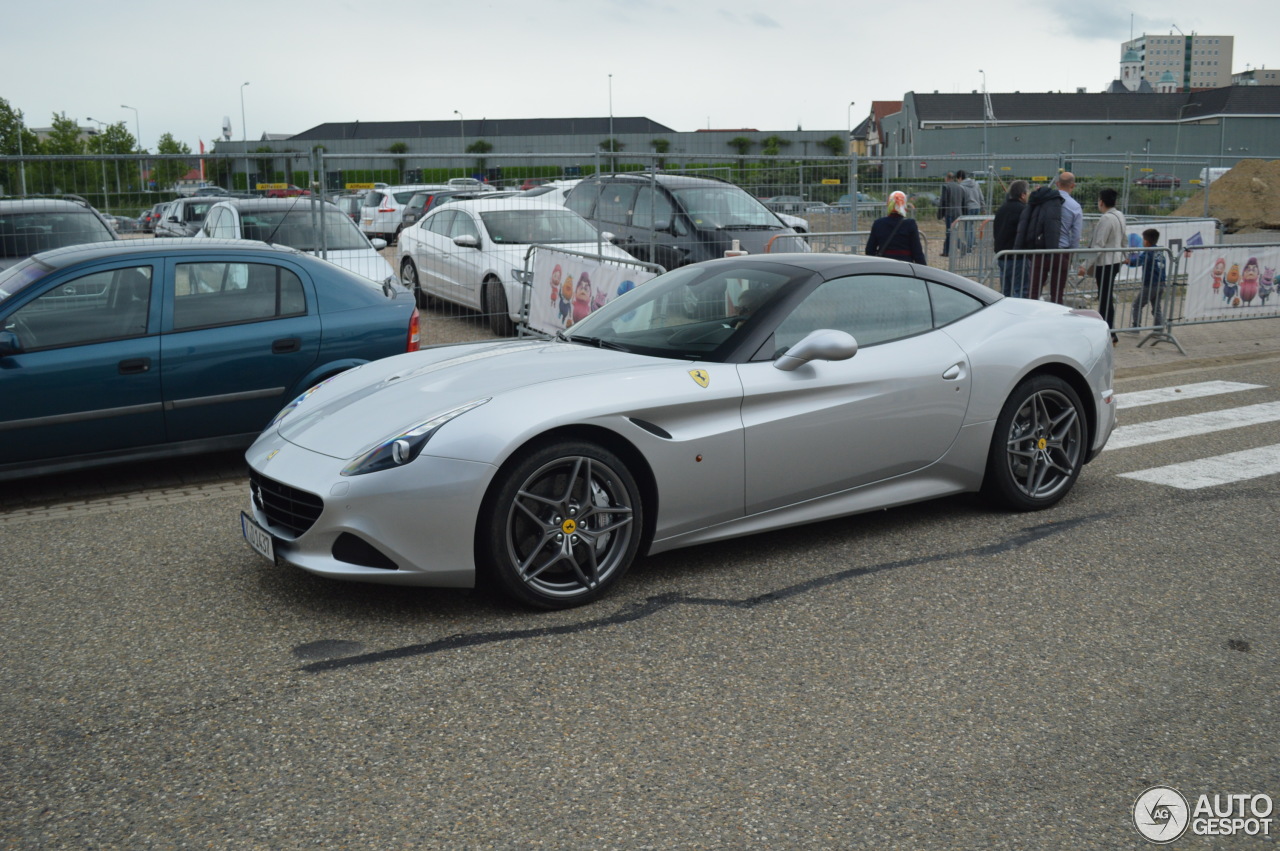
x=1193, y=424
x=1204, y=472
x=1185, y=391
x=1220, y=470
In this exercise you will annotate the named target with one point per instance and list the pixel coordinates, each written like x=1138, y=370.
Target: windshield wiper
x=593, y=341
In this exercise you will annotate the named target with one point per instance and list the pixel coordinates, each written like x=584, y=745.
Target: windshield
x=521, y=227
x=25, y=233
x=20, y=276
x=726, y=207
x=295, y=229
x=694, y=312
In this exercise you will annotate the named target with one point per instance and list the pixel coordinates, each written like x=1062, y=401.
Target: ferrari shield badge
x=700, y=376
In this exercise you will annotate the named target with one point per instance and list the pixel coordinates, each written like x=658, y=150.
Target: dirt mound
x=1245, y=199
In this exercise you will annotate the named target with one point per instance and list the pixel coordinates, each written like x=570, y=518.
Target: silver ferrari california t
x=717, y=400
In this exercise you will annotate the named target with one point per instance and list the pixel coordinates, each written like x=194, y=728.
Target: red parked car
x=289, y=191
x=1159, y=181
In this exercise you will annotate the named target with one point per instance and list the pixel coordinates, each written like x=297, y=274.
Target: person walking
x=1104, y=265
x=1053, y=219
x=1013, y=270
x=896, y=236
x=950, y=207
x=971, y=206
x=1153, y=278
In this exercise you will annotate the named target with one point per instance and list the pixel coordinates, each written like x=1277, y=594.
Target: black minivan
x=674, y=220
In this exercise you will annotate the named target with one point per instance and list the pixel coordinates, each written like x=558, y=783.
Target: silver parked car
x=720, y=399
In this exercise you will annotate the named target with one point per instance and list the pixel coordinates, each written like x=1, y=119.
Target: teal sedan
x=138, y=349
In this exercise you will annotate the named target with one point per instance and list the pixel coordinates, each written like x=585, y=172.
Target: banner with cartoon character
x=1231, y=281
x=566, y=288
x=1174, y=235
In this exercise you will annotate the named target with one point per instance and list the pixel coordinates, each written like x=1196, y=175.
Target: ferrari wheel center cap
x=569, y=526
x=1042, y=444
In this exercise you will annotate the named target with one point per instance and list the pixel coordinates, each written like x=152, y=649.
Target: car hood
x=514, y=254
x=363, y=407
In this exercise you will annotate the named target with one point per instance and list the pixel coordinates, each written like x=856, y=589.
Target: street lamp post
x=244, y=137
x=613, y=144
x=102, y=126
x=462, y=138
x=853, y=170
x=137, y=128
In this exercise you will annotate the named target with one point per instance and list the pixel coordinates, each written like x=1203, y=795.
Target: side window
x=441, y=223
x=873, y=308
x=463, y=226
x=950, y=304
x=582, y=200
x=616, y=202
x=652, y=209
x=109, y=305
x=211, y=294
x=211, y=222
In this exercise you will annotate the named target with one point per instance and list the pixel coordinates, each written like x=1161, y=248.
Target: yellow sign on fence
x=273, y=186
x=831, y=181
x=359, y=185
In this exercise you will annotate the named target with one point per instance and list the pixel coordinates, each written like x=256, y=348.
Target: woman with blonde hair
x=895, y=235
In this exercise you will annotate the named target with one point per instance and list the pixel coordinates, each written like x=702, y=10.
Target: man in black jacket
x=950, y=207
x=1040, y=227
x=1013, y=270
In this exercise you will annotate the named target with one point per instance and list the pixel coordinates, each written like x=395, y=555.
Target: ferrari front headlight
x=404, y=447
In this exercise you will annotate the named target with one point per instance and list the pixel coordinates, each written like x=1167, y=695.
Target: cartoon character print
x=1231, y=284
x=582, y=298
x=1249, y=281
x=1266, y=284
x=556, y=274
x=566, y=300
x=1219, y=269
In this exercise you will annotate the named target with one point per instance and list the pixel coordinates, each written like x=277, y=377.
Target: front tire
x=562, y=526
x=1038, y=447
x=495, y=304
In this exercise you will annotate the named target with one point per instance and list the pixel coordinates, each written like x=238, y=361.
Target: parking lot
x=942, y=675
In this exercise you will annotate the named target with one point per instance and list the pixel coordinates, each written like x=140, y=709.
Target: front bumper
x=420, y=517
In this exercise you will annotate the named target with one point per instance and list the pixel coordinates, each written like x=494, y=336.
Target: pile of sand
x=1245, y=199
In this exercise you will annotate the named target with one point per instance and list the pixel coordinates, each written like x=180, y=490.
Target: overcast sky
x=688, y=65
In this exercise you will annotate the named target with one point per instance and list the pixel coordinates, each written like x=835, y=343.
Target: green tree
x=15, y=139
x=165, y=173
x=836, y=145
x=773, y=145
x=612, y=146
x=481, y=147
x=661, y=146
x=266, y=166
x=399, y=148
x=741, y=144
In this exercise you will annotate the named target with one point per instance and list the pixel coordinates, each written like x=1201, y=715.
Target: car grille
x=285, y=507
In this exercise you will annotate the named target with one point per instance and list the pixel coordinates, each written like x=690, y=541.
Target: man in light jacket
x=1104, y=265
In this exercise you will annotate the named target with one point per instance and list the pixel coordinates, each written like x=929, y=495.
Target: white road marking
x=1220, y=470
x=1186, y=391
x=1193, y=424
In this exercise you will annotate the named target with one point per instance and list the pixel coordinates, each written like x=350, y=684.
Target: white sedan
x=474, y=253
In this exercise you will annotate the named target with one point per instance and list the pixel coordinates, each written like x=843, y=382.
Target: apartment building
x=1193, y=61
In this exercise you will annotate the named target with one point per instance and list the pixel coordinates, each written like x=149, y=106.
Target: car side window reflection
x=463, y=226
x=211, y=294
x=441, y=222
x=873, y=308
x=950, y=304
x=109, y=305
x=652, y=209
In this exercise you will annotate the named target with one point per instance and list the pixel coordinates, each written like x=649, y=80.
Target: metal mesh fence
x=830, y=199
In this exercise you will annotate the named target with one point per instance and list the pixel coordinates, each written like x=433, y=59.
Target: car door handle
x=286, y=345
x=134, y=366
x=956, y=371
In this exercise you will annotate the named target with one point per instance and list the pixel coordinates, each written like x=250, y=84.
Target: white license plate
x=260, y=539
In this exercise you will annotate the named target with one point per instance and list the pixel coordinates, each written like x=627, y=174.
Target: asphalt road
x=937, y=676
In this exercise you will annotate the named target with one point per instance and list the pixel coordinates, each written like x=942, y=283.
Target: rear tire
x=1038, y=447
x=409, y=277
x=495, y=304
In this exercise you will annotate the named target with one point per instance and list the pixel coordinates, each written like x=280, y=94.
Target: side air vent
x=651, y=428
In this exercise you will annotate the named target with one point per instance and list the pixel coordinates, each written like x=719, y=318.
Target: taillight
x=414, y=332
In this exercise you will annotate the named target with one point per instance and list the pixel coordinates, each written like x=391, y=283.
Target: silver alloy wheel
x=1045, y=444
x=569, y=528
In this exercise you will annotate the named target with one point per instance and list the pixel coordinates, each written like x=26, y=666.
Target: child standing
x=1153, y=276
